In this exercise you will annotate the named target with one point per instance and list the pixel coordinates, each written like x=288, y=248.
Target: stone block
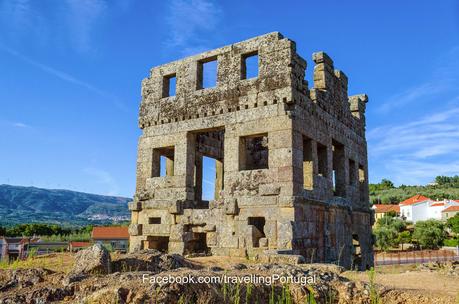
x=211, y=239
x=135, y=229
x=231, y=207
x=176, y=207
x=263, y=242
x=268, y=189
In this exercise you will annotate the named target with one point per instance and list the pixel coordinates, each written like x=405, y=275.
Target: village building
x=421, y=208
x=14, y=248
x=116, y=238
x=383, y=209
x=74, y=246
x=450, y=211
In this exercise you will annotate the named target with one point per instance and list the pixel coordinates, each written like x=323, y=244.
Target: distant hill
x=30, y=204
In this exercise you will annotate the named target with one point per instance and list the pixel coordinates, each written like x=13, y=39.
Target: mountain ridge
x=25, y=204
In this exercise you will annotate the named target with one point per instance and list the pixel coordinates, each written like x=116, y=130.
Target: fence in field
x=416, y=257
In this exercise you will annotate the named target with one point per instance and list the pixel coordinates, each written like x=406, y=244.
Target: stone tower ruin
x=291, y=175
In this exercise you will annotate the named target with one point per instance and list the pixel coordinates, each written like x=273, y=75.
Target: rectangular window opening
x=253, y=152
x=163, y=162
x=197, y=243
x=169, y=85
x=208, y=178
x=258, y=231
x=249, y=66
x=339, y=184
x=207, y=73
x=160, y=243
x=154, y=220
x=209, y=165
x=308, y=164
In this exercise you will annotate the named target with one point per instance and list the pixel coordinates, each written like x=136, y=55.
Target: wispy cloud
x=413, y=151
x=64, y=76
x=20, y=125
x=442, y=80
x=421, y=140
x=82, y=17
x=25, y=21
x=188, y=21
x=104, y=179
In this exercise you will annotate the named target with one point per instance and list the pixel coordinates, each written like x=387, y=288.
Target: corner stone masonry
x=290, y=161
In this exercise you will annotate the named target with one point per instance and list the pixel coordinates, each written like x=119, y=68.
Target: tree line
x=39, y=229
x=390, y=232
x=385, y=192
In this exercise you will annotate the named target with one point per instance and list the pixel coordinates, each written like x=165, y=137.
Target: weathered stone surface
x=290, y=160
x=148, y=260
x=95, y=259
x=231, y=206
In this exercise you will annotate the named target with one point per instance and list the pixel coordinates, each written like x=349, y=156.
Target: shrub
x=386, y=237
x=453, y=223
x=451, y=242
x=404, y=237
x=429, y=234
x=391, y=222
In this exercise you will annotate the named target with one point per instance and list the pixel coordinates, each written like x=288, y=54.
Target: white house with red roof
x=421, y=208
x=449, y=212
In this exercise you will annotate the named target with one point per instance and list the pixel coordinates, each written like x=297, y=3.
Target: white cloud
x=415, y=152
x=103, y=178
x=65, y=76
x=20, y=125
x=443, y=80
x=424, y=90
x=187, y=20
x=411, y=172
x=82, y=18
x=60, y=23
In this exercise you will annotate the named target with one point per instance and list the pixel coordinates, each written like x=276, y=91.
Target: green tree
x=429, y=234
x=2, y=231
x=404, y=237
x=386, y=237
x=389, y=221
x=453, y=223
x=386, y=184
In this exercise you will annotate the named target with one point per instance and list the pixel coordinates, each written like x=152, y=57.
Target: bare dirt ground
x=436, y=285
x=404, y=284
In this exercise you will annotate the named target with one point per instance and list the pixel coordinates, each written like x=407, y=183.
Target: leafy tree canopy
x=386, y=193
x=453, y=223
x=429, y=234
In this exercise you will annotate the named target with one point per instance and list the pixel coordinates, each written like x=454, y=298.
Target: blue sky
x=71, y=72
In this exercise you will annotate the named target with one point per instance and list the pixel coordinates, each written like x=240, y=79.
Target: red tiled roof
x=452, y=209
x=437, y=204
x=80, y=244
x=386, y=208
x=104, y=233
x=415, y=199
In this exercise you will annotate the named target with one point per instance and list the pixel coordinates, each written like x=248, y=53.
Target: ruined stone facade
x=290, y=161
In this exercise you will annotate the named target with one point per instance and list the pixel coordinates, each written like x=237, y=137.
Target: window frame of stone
x=166, y=89
x=200, y=72
x=244, y=58
x=157, y=153
x=243, y=151
x=154, y=220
